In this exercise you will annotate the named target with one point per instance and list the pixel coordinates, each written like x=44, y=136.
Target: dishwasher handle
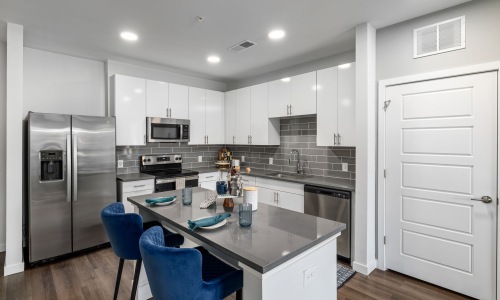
x=326, y=191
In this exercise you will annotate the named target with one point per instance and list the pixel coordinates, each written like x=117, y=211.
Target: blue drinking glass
x=221, y=187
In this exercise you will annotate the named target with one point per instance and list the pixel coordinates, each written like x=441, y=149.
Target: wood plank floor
x=92, y=276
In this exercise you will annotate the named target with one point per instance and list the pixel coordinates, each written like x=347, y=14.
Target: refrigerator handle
x=68, y=168
x=75, y=168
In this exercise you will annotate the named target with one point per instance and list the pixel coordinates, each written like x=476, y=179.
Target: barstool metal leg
x=136, y=278
x=118, y=278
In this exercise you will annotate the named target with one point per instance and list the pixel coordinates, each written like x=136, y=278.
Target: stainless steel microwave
x=165, y=130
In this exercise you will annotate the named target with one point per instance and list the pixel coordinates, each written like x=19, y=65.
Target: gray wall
x=3, y=101
x=482, y=22
x=314, y=65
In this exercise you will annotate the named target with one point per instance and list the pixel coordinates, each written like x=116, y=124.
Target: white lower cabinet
x=209, y=180
x=134, y=188
x=283, y=194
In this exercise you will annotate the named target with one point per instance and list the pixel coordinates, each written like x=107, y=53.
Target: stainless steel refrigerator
x=72, y=176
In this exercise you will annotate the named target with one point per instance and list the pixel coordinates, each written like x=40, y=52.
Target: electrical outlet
x=243, y=158
x=120, y=163
x=344, y=167
x=200, y=158
x=271, y=160
x=309, y=275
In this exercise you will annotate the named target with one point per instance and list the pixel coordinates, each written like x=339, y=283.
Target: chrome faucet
x=300, y=170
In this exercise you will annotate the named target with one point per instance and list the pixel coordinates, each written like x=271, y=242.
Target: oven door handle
x=171, y=180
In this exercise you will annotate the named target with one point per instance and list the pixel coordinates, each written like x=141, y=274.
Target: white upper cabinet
x=242, y=124
x=303, y=94
x=214, y=117
x=178, y=101
x=263, y=131
x=156, y=99
x=279, y=98
x=197, y=116
x=166, y=100
x=293, y=96
x=230, y=117
x=336, y=106
x=128, y=105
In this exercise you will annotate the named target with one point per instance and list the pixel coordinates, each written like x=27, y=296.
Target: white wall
x=395, y=43
x=3, y=66
x=56, y=83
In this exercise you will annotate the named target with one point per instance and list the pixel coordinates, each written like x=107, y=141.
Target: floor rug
x=343, y=275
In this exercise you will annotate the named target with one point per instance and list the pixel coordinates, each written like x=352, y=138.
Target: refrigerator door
x=49, y=198
x=94, y=177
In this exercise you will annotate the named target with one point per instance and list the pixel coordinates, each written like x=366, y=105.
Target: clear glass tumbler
x=245, y=211
x=187, y=196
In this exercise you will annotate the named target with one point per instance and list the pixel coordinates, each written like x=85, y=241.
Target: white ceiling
x=170, y=36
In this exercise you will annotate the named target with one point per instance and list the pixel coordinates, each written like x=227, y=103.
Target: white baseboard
x=2, y=247
x=13, y=269
x=365, y=270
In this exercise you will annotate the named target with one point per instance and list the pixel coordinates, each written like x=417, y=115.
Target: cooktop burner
x=164, y=166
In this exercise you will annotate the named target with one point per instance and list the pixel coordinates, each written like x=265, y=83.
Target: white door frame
x=383, y=84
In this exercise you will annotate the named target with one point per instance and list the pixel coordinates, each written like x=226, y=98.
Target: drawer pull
x=136, y=186
x=210, y=176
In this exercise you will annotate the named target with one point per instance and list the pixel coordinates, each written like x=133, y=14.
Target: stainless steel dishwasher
x=334, y=205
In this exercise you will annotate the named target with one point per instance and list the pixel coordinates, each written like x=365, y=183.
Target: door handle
x=69, y=168
x=75, y=168
x=278, y=198
x=485, y=199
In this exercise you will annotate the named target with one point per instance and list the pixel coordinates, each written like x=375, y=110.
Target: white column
x=14, y=151
x=366, y=112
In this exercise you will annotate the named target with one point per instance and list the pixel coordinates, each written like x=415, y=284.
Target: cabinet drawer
x=139, y=185
x=284, y=186
x=208, y=177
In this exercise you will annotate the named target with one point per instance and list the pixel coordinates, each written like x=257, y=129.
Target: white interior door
x=441, y=154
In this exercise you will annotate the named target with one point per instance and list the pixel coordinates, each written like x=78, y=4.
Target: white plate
x=220, y=224
x=165, y=203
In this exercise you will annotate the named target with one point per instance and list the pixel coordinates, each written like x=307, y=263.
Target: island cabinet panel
x=279, y=98
x=197, y=116
x=303, y=94
x=134, y=188
x=178, y=101
x=128, y=105
x=214, y=117
x=336, y=106
x=242, y=122
x=230, y=117
x=156, y=99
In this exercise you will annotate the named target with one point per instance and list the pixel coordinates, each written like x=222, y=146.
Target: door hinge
x=385, y=173
x=385, y=239
x=386, y=104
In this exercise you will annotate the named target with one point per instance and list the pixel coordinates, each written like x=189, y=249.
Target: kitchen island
x=284, y=254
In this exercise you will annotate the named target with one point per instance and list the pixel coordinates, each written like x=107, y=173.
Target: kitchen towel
x=180, y=183
x=160, y=200
x=207, y=221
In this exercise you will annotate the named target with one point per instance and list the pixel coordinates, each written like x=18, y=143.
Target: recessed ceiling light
x=345, y=66
x=129, y=36
x=286, y=79
x=276, y=34
x=213, y=59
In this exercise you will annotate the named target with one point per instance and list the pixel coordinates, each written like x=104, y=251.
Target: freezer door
x=48, y=201
x=94, y=177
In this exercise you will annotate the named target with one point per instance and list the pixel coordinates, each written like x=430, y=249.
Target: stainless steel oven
x=167, y=130
x=168, y=172
x=168, y=184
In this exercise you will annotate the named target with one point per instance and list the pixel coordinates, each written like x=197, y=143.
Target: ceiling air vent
x=440, y=37
x=241, y=46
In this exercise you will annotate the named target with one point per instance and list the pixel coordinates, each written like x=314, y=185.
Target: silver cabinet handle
x=137, y=186
x=210, y=177
x=334, y=139
x=291, y=110
x=277, y=197
x=485, y=199
x=170, y=112
x=233, y=140
x=274, y=198
x=144, y=139
x=207, y=139
x=68, y=168
x=75, y=168
x=338, y=138
x=166, y=112
x=288, y=110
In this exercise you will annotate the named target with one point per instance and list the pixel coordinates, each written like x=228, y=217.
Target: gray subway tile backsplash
x=295, y=133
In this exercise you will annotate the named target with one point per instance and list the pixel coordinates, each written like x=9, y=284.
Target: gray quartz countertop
x=133, y=177
x=205, y=170
x=275, y=236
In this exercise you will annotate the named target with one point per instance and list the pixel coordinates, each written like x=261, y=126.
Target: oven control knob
x=148, y=160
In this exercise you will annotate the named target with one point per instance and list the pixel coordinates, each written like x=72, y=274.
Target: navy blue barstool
x=186, y=273
x=124, y=231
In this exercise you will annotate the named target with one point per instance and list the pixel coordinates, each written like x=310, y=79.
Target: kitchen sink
x=289, y=175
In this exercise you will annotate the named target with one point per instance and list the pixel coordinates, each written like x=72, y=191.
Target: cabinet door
x=197, y=116
x=347, y=106
x=303, y=94
x=291, y=201
x=279, y=98
x=214, y=122
x=327, y=106
x=210, y=185
x=129, y=102
x=156, y=99
x=178, y=101
x=242, y=124
x=129, y=207
x=267, y=196
x=230, y=117
x=259, y=120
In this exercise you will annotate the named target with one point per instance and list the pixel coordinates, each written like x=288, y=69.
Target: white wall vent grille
x=440, y=37
x=241, y=46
